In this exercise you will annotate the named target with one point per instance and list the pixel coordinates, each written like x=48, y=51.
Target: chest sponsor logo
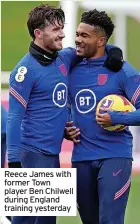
x=85, y=101
x=60, y=95
x=102, y=79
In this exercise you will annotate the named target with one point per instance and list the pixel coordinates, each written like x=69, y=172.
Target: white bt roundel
x=85, y=100
x=60, y=95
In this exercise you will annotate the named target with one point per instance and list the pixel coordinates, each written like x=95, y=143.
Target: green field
x=14, y=44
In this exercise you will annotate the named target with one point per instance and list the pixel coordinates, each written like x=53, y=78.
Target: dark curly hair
x=43, y=15
x=100, y=20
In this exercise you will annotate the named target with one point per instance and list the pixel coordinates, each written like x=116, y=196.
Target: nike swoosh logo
x=47, y=57
x=116, y=173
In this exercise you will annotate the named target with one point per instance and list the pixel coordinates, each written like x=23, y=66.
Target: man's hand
x=71, y=132
x=104, y=119
x=114, y=61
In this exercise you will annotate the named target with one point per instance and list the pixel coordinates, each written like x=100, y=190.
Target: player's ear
x=101, y=41
x=38, y=33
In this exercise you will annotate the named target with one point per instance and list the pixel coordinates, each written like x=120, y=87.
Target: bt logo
x=60, y=95
x=85, y=101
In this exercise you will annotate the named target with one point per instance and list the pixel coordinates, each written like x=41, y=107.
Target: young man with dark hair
x=103, y=159
x=38, y=97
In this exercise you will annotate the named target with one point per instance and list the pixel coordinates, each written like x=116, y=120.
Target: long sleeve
x=69, y=55
x=129, y=118
x=130, y=83
x=21, y=83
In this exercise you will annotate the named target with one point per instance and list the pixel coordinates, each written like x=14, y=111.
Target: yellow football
x=117, y=103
